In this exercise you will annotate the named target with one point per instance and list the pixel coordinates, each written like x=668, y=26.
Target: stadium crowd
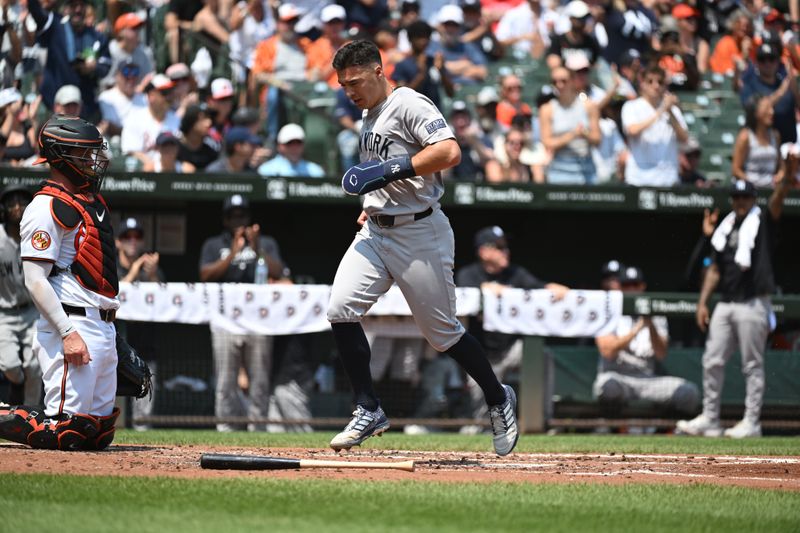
x=544, y=91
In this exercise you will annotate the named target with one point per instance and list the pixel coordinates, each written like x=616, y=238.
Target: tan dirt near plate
x=450, y=467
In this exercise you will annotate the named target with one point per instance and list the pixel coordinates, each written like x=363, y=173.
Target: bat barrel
x=246, y=462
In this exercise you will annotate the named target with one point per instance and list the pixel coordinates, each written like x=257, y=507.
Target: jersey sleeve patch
x=41, y=240
x=66, y=215
x=434, y=125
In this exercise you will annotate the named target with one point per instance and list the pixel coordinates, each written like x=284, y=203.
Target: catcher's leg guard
x=68, y=434
x=17, y=422
x=106, y=434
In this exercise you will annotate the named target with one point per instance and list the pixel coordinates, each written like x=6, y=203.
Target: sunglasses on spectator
x=559, y=81
x=130, y=72
x=513, y=87
x=514, y=142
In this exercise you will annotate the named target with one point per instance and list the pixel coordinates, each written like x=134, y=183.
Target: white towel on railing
x=747, y=236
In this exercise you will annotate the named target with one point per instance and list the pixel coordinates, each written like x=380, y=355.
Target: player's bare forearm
x=437, y=157
x=710, y=282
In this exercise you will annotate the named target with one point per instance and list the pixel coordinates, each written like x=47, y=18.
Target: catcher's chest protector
x=95, y=264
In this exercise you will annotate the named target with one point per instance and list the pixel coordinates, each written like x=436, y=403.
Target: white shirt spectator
x=243, y=41
x=140, y=130
x=653, y=154
x=520, y=21
x=605, y=155
x=115, y=106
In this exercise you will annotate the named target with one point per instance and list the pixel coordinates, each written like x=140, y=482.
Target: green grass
x=110, y=504
x=578, y=443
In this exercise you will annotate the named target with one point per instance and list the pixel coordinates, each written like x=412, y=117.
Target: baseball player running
x=69, y=264
x=405, y=238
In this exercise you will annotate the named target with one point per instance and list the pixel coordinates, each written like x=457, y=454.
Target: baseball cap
x=690, y=146
x=332, y=12
x=409, y=5
x=129, y=224
x=237, y=201
x=178, y=71
x=470, y=5
x=631, y=274
x=10, y=95
x=486, y=96
x=127, y=20
x=743, y=188
x=684, y=11
x=491, y=236
x=166, y=137
x=768, y=49
x=222, y=88
x=245, y=116
x=291, y=132
x=240, y=134
x=68, y=94
x=611, y=268
x=450, y=13
x=773, y=16
x=16, y=188
x=628, y=57
x=287, y=12
x=160, y=83
x=577, y=61
x=668, y=25
x=459, y=106
x=577, y=9
x=129, y=69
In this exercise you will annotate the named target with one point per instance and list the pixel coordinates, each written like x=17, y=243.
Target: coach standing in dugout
x=17, y=313
x=742, y=247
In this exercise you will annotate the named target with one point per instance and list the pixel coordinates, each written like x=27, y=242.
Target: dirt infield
x=459, y=467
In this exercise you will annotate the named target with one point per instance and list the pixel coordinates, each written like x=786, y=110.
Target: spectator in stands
x=741, y=268
x=511, y=102
x=385, y=39
x=165, y=156
x=629, y=65
x=185, y=92
x=239, y=147
x=76, y=54
x=122, y=99
x=511, y=168
x=278, y=60
x=577, y=40
x=17, y=127
x=767, y=77
x=570, y=128
x=251, y=22
x=320, y=53
x=289, y=162
x=609, y=275
x=464, y=62
x=654, y=126
x=629, y=24
x=10, y=43
x=421, y=71
x=68, y=101
x=348, y=115
x=689, y=164
x=211, y=23
x=126, y=47
x=526, y=29
x=732, y=50
x=609, y=156
x=231, y=257
x=494, y=271
x=178, y=19
x=220, y=106
x=628, y=357
x=476, y=148
x=678, y=63
x=143, y=124
x=756, y=154
x=690, y=39
x=478, y=30
x=365, y=15
x=486, y=103
x=198, y=149
x=409, y=13
x=250, y=118
x=578, y=64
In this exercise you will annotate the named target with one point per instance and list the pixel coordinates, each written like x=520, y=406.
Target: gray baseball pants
x=736, y=325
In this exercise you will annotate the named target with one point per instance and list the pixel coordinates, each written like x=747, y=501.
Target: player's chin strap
x=373, y=175
x=28, y=425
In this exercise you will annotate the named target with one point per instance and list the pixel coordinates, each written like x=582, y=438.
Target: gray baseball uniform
x=417, y=254
x=17, y=320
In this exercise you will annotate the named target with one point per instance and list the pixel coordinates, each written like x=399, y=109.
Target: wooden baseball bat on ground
x=253, y=462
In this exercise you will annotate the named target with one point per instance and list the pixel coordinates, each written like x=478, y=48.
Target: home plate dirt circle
x=453, y=467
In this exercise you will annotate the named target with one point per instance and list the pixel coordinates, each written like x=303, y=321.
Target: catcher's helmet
x=75, y=148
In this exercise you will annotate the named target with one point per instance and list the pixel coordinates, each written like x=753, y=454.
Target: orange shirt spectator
x=320, y=53
x=511, y=103
x=733, y=48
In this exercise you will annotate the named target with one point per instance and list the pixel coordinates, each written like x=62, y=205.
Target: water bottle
x=261, y=271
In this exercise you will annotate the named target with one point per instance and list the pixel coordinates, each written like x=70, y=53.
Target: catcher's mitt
x=133, y=374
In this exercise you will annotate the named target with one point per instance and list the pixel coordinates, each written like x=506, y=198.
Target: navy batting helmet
x=75, y=148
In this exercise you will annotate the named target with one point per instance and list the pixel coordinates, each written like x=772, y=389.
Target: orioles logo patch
x=41, y=240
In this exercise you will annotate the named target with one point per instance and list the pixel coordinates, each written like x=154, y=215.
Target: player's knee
x=340, y=312
x=69, y=434
x=609, y=390
x=686, y=398
x=105, y=435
